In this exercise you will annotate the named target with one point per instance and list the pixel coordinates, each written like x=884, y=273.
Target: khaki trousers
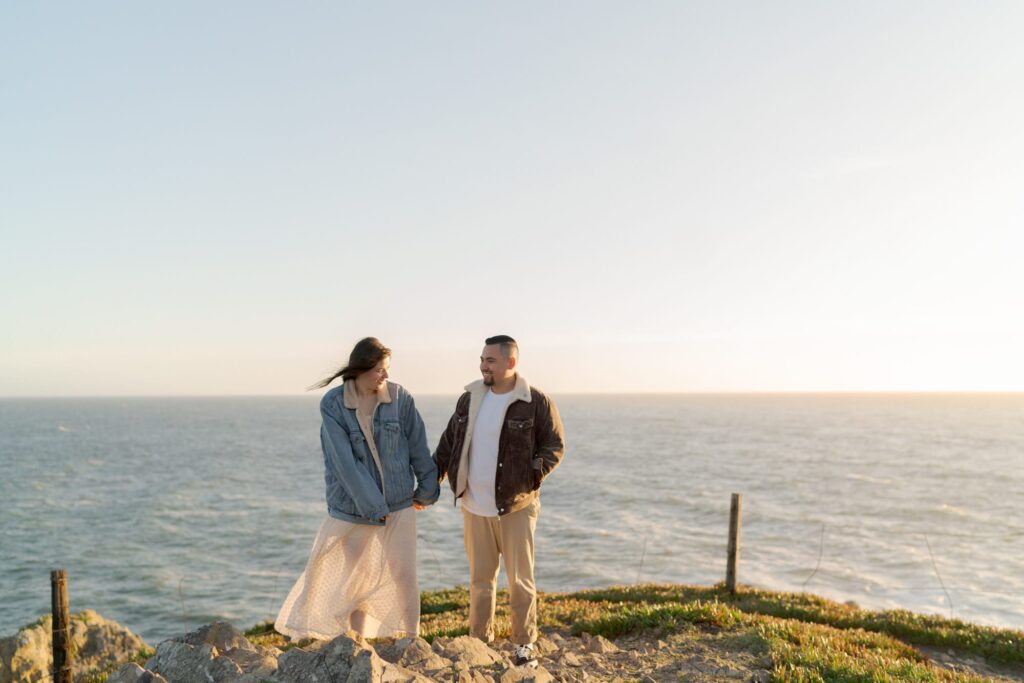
x=511, y=537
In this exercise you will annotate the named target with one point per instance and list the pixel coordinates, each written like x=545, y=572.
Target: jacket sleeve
x=550, y=441
x=356, y=480
x=427, y=489
x=443, y=455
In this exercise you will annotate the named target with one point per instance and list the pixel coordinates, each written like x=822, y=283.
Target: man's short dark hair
x=509, y=347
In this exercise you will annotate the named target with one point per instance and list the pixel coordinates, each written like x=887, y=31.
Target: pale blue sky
x=220, y=198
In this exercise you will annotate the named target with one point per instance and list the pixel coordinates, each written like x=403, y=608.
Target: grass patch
x=1002, y=645
x=664, y=618
x=449, y=633
x=812, y=653
x=450, y=600
x=260, y=629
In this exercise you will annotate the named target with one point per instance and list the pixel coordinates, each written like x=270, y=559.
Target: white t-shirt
x=483, y=455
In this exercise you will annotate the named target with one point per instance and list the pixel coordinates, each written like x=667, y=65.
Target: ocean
x=172, y=512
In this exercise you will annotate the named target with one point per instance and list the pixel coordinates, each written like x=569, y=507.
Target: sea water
x=171, y=512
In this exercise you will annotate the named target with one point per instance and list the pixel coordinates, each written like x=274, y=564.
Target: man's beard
x=489, y=380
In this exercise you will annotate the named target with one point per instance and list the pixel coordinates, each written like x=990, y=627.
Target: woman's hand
x=419, y=506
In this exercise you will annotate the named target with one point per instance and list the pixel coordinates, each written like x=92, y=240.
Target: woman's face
x=374, y=378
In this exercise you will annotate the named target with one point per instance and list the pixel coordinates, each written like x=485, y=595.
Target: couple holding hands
x=501, y=442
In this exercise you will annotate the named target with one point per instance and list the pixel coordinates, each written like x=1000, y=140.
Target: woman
x=361, y=574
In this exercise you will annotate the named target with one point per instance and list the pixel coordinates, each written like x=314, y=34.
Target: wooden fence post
x=61, y=626
x=735, y=524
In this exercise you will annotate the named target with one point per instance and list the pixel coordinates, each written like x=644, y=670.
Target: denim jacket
x=354, y=485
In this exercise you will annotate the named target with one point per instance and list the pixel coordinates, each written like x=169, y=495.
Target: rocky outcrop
x=467, y=650
x=220, y=653
x=598, y=644
x=99, y=645
x=133, y=673
x=211, y=654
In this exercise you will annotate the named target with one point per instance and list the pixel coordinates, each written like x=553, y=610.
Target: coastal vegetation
x=643, y=633
x=797, y=636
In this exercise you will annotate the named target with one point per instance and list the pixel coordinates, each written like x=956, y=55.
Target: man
x=503, y=440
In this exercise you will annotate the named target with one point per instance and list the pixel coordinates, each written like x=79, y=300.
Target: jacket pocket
x=359, y=448
x=394, y=455
x=519, y=440
x=391, y=436
x=520, y=437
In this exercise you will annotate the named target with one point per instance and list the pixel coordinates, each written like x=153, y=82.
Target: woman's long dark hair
x=365, y=356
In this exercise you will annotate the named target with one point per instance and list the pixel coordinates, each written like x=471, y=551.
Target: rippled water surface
x=172, y=512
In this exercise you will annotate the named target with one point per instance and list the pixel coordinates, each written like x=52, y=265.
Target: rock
x=601, y=645
x=222, y=669
x=392, y=651
x=133, y=673
x=420, y=655
x=340, y=655
x=217, y=652
x=302, y=666
x=219, y=634
x=412, y=652
x=259, y=663
x=570, y=658
x=596, y=663
x=343, y=659
x=473, y=676
x=393, y=673
x=471, y=651
x=100, y=644
x=180, y=662
x=522, y=674
x=367, y=667
x=545, y=646
x=439, y=644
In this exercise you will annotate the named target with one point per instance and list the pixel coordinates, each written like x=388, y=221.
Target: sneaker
x=525, y=656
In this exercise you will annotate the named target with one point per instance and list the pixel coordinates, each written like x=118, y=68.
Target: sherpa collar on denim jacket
x=352, y=397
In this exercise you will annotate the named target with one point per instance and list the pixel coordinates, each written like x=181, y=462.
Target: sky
x=221, y=198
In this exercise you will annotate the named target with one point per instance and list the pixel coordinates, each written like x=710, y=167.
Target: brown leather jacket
x=531, y=444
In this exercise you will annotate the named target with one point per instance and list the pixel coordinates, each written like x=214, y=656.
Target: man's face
x=494, y=366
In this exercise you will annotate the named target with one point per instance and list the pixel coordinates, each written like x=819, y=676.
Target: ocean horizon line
x=768, y=392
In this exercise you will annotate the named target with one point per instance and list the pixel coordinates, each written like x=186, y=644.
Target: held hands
x=419, y=506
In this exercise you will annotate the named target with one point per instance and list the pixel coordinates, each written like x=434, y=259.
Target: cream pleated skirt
x=358, y=577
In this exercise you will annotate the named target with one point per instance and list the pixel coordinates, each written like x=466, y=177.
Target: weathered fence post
x=61, y=626
x=735, y=523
